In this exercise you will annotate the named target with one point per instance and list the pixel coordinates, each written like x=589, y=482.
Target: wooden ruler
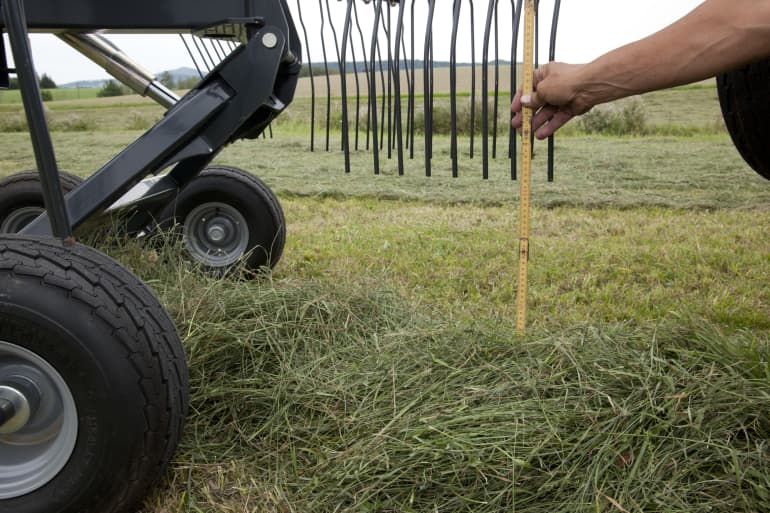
x=526, y=166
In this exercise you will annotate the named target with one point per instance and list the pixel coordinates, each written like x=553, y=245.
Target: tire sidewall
x=110, y=415
x=262, y=223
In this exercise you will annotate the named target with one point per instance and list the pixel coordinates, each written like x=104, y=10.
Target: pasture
x=377, y=367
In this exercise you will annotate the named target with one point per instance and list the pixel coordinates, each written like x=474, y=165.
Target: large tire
x=744, y=96
x=21, y=198
x=111, y=367
x=235, y=207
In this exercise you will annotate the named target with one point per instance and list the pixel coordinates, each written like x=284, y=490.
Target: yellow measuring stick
x=526, y=165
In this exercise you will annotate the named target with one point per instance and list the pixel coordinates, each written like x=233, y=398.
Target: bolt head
x=270, y=40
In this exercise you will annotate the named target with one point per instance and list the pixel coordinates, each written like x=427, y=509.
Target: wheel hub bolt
x=15, y=410
x=217, y=233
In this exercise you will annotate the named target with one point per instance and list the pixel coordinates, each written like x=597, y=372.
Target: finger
x=558, y=120
x=543, y=116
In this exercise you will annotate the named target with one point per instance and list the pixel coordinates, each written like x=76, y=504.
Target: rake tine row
x=390, y=69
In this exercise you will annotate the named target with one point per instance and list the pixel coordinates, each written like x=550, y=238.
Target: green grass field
x=378, y=369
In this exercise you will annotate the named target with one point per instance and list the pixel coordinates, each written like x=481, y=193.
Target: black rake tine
x=205, y=47
x=383, y=75
x=373, y=87
x=340, y=64
x=366, y=72
x=514, y=78
x=427, y=87
x=344, y=85
x=473, y=77
x=496, y=108
x=217, y=49
x=552, y=57
x=358, y=83
x=388, y=39
x=485, y=91
x=312, y=78
x=397, y=83
x=453, y=83
x=200, y=52
x=192, y=57
x=326, y=72
x=408, y=78
x=412, y=89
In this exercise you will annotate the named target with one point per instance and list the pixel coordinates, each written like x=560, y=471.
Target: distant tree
x=47, y=82
x=46, y=95
x=110, y=88
x=14, y=83
x=167, y=80
x=187, y=83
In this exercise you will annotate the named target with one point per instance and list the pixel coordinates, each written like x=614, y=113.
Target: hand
x=556, y=98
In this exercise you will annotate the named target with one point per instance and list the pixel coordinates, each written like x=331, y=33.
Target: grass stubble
x=377, y=368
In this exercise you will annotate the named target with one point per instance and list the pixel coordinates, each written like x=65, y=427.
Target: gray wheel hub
x=39, y=428
x=216, y=234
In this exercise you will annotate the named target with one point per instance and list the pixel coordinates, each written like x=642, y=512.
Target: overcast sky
x=587, y=28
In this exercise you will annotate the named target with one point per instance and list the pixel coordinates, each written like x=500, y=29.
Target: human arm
x=715, y=37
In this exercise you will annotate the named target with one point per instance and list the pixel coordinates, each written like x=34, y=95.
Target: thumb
x=531, y=100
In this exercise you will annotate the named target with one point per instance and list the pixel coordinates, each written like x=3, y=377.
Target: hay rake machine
x=93, y=379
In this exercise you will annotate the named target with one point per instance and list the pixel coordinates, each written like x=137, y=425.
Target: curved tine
x=221, y=46
x=355, y=75
x=407, y=75
x=366, y=71
x=473, y=76
x=326, y=72
x=340, y=64
x=214, y=63
x=334, y=31
x=200, y=52
x=312, y=78
x=216, y=47
x=388, y=26
x=344, y=85
x=514, y=77
x=485, y=91
x=397, y=83
x=382, y=81
x=552, y=57
x=427, y=88
x=496, y=108
x=373, y=86
x=453, y=82
x=192, y=57
x=412, y=90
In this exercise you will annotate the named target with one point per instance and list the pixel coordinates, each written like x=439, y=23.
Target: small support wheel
x=93, y=381
x=228, y=217
x=21, y=198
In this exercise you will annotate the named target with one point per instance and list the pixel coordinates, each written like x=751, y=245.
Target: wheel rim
x=34, y=453
x=216, y=234
x=20, y=218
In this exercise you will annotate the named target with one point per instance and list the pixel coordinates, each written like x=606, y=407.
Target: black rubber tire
x=119, y=353
x=21, y=190
x=251, y=198
x=744, y=96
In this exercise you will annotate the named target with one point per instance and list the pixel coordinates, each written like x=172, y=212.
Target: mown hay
x=342, y=399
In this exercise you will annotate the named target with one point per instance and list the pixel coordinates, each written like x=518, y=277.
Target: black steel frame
x=237, y=99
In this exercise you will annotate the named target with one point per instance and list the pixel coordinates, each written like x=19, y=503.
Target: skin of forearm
x=717, y=35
